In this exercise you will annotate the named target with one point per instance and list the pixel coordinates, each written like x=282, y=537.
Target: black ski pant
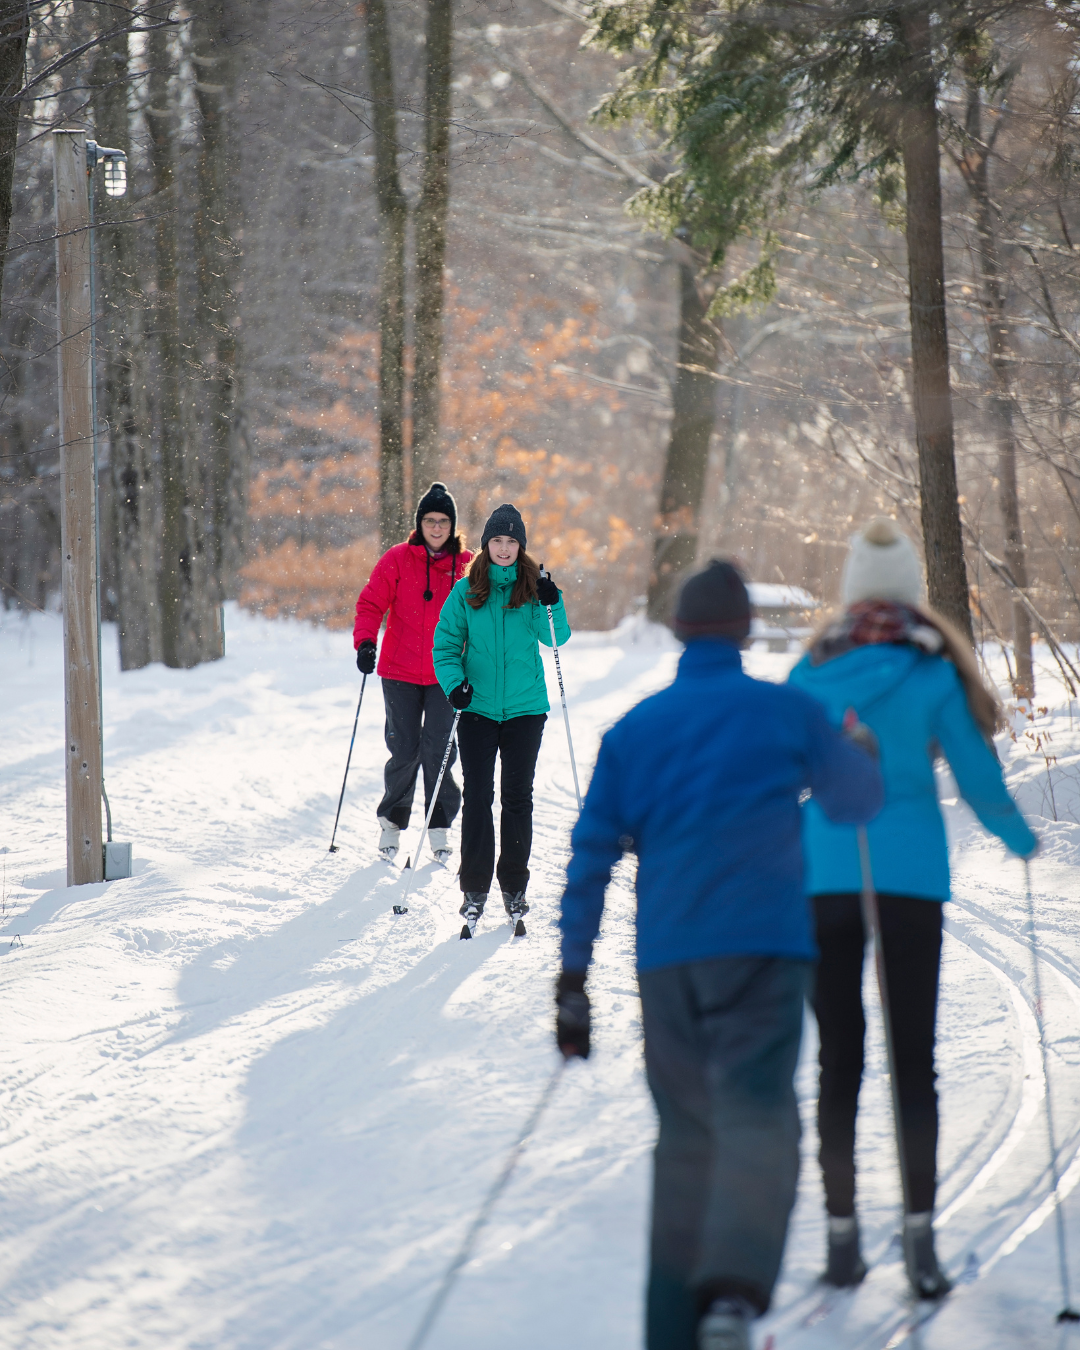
x=911, y=940
x=418, y=722
x=721, y=1045
x=517, y=742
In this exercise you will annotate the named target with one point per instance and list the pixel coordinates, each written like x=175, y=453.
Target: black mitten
x=365, y=657
x=461, y=697
x=572, y=1019
x=547, y=592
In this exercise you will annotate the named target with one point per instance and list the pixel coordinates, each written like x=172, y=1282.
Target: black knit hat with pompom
x=437, y=499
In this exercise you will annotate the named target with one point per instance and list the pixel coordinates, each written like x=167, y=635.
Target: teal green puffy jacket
x=495, y=649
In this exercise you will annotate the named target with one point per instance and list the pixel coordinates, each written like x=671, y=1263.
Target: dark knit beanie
x=437, y=500
x=713, y=603
x=505, y=519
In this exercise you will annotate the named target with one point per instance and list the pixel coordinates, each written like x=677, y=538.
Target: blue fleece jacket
x=914, y=703
x=702, y=782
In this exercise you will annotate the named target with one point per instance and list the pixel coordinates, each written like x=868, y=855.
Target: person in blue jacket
x=702, y=781
x=913, y=680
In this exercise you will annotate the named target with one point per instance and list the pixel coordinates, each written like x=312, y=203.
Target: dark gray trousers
x=721, y=1046
x=418, y=722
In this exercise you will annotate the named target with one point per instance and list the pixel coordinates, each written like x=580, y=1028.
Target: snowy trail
x=243, y=1105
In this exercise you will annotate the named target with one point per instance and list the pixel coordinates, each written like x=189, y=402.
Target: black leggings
x=517, y=743
x=911, y=938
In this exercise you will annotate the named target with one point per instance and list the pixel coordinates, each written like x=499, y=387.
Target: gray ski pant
x=418, y=723
x=721, y=1046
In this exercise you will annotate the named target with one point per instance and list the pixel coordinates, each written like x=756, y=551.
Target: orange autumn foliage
x=303, y=582
x=508, y=394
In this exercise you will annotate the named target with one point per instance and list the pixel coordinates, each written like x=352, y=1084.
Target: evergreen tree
x=757, y=98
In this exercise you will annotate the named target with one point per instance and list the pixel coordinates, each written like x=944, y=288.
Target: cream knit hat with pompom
x=882, y=565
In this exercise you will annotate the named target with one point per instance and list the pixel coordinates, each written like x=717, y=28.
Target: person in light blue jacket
x=913, y=680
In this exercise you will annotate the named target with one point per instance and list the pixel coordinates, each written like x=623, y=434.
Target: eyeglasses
x=436, y=522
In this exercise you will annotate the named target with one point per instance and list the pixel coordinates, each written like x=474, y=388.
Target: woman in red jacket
x=412, y=580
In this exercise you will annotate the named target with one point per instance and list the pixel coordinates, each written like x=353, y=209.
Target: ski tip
x=519, y=928
x=401, y=909
x=408, y=863
x=466, y=932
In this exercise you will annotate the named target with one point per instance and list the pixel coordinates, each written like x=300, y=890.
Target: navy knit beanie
x=713, y=603
x=505, y=519
x=438, y=501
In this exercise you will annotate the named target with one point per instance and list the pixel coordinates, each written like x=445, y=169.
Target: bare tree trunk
x=974, y=168
x=186, y=634
x=14, y=31
x=675, y=536
x=393, y=216
x=430, y=229
x=940, y=509
x=217, y=32
x=121, y=405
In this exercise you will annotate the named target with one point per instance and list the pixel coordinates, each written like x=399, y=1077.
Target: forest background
x=282, y=232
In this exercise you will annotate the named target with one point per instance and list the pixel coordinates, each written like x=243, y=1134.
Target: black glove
x=547, y=592
x=461, y=697
x=365, y=657
x=572, y=1019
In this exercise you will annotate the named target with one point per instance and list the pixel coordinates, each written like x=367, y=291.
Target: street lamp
x=115, y=162
x=117, y=857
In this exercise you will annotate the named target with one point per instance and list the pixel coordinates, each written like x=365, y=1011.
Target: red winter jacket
x=398, y=582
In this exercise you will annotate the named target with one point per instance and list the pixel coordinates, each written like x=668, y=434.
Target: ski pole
x=872, y=923
x=356, y=719
x=465, y=1250
x=562, y=692
x=1068, y=1312
x=402, y=908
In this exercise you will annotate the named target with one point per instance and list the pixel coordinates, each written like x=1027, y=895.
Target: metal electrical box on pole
x=77, y=516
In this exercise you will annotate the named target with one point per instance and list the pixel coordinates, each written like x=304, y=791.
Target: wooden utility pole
x=77, y=516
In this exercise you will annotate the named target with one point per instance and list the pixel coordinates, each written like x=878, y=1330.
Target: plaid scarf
x=875, y=621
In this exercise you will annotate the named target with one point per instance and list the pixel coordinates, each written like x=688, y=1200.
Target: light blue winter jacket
x=910, y=700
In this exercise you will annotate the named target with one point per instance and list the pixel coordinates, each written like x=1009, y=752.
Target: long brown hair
x=982, y=701
x=479, y=574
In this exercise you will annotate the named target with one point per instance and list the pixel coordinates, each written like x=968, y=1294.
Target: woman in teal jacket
x=914, y=681
x=487, y=660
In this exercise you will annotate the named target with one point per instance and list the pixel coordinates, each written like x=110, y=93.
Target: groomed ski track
x=244, y=1105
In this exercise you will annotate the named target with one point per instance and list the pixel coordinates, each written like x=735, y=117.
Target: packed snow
x=246, y=1107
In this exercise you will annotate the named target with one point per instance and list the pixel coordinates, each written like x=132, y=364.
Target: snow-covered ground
x=245, y=1107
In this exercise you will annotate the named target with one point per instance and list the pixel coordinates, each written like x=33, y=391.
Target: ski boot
x=925, y=1275
x=726, y=1325
x=516, y=907
x=845, y=1266
x=440, y=845
x=388, y=840
x=472, y=906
